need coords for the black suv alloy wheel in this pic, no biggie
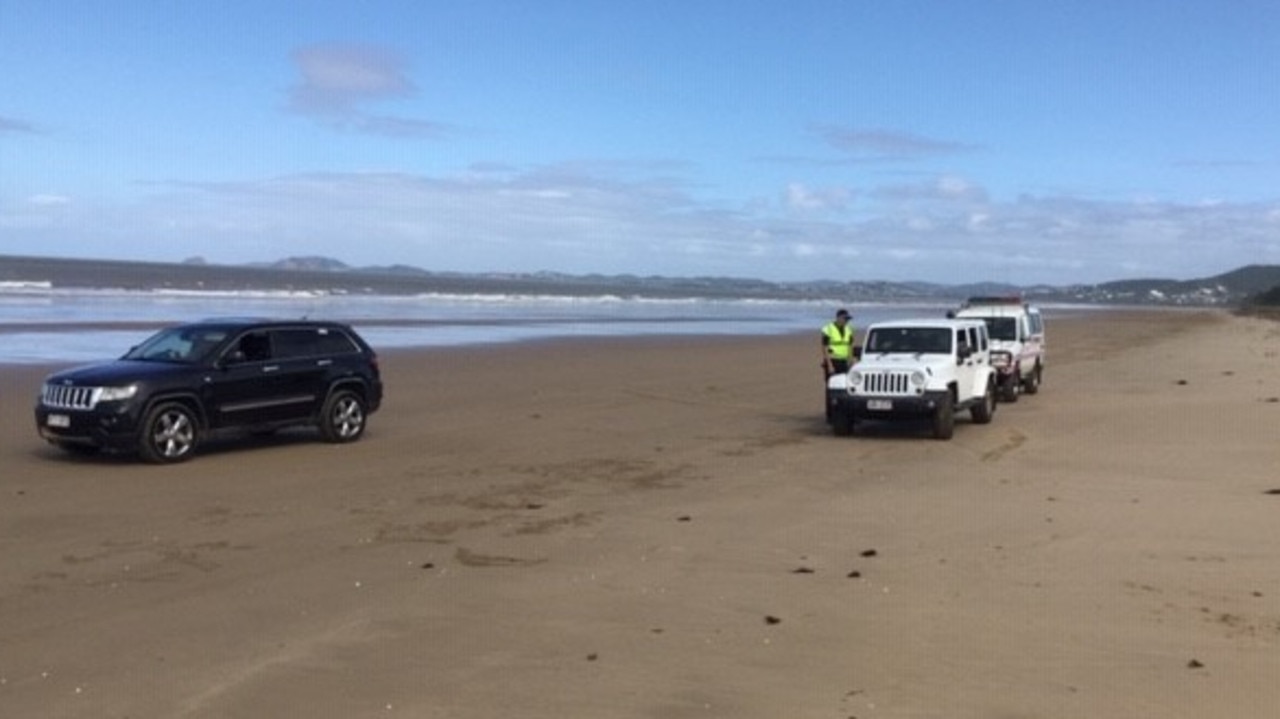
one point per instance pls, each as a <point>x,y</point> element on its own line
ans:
<point>169,434</point>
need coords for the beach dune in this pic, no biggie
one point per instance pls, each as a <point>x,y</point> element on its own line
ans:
<point>666,528</point>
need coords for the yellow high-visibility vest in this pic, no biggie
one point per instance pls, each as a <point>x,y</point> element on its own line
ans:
<point>839,341</point>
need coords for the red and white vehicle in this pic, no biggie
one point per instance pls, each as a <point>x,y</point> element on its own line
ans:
<point>1017,339</point>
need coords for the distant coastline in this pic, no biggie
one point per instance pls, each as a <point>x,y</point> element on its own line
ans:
<point>326,276</point>
<point>62,273</point>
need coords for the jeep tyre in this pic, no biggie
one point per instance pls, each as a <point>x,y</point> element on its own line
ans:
<point>984,410</point>
<point>169,434</point>
<point>1032,384</point>
<point>1011,387</point>
<point>343,417</point>
<point>944,418</point>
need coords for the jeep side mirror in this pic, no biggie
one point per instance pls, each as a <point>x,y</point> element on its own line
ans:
<point>857,352</point>
<point>963,352</point>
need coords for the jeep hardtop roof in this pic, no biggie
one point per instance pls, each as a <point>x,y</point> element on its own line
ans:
<point>928,322</point>
<point>995,300</point>
<point>1014,303</point>
<point>992,311</point>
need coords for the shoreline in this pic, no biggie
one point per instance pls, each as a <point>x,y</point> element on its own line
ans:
<point>1053,314</point>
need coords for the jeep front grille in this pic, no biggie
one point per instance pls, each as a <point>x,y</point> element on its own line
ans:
<point>68,397</point>
<point>886,383</point>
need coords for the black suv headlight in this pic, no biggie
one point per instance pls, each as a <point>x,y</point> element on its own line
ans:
<point>117,394</point>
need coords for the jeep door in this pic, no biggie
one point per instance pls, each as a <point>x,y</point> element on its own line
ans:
<point>968,372</point>
<point>1035,335</point>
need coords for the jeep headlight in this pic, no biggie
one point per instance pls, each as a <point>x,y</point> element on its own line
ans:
<point>116,394</point>
<point>855,378</point>
<point>917,379</point>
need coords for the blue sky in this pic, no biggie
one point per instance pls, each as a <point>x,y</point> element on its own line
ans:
<point>946,141</point>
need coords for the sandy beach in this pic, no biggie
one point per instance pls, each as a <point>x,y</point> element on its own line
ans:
<point>666,528</point>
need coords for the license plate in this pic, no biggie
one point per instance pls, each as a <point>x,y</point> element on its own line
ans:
<point>880,404</point>
<point>58,420</point>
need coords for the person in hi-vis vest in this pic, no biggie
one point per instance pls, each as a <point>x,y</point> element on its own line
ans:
<point>837,344</point>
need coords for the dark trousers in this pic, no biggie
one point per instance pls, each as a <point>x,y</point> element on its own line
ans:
<point>837,366</point>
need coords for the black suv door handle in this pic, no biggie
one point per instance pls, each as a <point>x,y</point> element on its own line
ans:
<point>271,368</point>
<point>324,363</point>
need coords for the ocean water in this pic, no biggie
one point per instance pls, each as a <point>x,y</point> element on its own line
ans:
<point>46,325</point>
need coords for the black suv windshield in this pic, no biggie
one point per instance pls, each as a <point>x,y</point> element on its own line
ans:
<point>913,340</point>
<point>186,345</point>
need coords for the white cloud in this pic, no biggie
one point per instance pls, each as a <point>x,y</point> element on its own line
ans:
<point>337,81</point>
<point>947,188</point>
<point>49,200</point>
<point>12,124</point>
<point>881,143</point>
<point>957,187</point>
<point>803,199</point>
<point>340,77</point>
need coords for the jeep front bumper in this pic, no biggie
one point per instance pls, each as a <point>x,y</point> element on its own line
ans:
<point>885,407</point>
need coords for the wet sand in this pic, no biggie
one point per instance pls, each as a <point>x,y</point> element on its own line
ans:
<point>666,528</point>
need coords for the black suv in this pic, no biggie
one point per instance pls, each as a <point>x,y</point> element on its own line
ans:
<point>164,395</point>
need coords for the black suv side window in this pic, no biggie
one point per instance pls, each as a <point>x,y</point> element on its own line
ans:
<point>251,347</point>
<point>322,341</point>
<point>295,344</point>
<point>335,342</point>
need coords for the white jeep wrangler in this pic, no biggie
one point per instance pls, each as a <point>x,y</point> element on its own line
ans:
<point>916,368</point>
<point>1017,338</point>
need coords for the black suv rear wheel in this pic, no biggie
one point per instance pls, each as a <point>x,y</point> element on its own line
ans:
<point>343,417</point>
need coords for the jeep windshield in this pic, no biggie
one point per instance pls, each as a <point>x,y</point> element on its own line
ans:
<point>1002,328</point>
<point>909,340</point>
<point>184,345</point>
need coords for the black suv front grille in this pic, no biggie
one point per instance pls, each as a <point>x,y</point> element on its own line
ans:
<point>68,397</point>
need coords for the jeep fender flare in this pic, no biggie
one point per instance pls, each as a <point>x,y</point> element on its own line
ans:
<point>990,375</point>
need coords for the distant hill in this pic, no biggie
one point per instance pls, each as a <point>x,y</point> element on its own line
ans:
<point>1228,288</point>
<point>329,275</point>
<point>1270,298</point>
<point>1251,278</point>
<point>310,264</point>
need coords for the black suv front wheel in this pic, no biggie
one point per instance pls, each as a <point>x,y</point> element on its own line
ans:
<point>169,433</point>
<point>343,417</point>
